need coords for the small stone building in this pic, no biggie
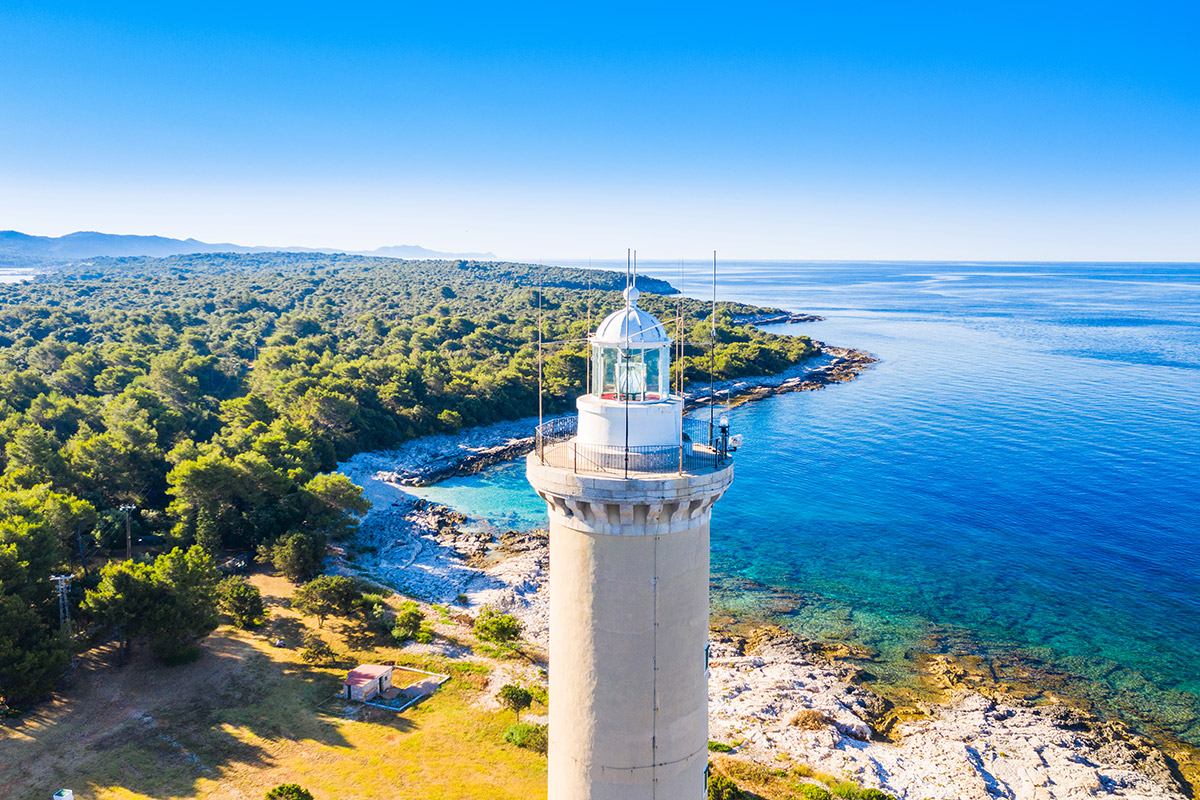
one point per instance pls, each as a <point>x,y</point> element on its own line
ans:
<point>367,680</point>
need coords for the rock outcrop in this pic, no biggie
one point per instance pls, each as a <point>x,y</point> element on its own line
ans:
<point>971,748</point>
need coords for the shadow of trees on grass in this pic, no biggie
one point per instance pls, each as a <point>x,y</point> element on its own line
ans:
<point>160,731</point>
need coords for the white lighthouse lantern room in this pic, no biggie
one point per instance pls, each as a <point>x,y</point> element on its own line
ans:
<point>631,366</point>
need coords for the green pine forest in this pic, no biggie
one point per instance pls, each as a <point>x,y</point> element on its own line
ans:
<point>215,393</point>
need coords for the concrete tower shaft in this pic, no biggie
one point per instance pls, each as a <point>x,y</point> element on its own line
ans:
<point>629,573</point>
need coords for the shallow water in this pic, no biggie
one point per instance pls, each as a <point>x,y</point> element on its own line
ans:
<point>1017,475</point>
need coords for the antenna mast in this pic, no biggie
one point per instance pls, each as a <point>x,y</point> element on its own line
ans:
<point>679,329</point>
<point>588,333</point>
<point>541,284</point>
<point>712,358</point>
<point>626,355</point>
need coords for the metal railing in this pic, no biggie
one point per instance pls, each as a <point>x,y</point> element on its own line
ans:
<point>703,448</point>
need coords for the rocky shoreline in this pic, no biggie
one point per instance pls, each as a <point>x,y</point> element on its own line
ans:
<point>775,318</point>
<point>780,699</point>
<point>775,697</point>
<point>432,459</point>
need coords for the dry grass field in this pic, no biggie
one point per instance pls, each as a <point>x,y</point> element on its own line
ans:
<point>247,716</point>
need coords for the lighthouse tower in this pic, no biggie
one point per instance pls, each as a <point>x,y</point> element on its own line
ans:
<point>630,484</point>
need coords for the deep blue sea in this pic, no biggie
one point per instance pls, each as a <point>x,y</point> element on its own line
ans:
<point>1017,477</point>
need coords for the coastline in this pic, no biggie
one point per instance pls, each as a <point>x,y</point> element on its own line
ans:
<point>977,742</point>
<point>425,461</point>
<point>775,697</point>
<point>970,736</point>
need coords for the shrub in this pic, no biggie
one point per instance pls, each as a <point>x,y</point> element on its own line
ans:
<point>811,719</point>
<point>493,626</point>
<point>372,599</point>
<point>317,650</point>
<point>845,790</point>
<point>409,622</point>
<point>462,599</point>
<point>811,791</point>
<point>719,747</point>
<point>874,794</point>
<point>514,697</point>
<point>721,788</point>
<point>531,737</point>
<point>289,791</point>
<point>241,601</point>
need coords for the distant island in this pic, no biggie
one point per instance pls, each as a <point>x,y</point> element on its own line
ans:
<point>25,251</point>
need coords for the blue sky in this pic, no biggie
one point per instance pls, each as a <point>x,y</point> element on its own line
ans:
<point>762,130</point>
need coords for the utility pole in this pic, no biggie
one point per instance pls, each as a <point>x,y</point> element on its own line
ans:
<point>128,537</point>
<point>64,609</point>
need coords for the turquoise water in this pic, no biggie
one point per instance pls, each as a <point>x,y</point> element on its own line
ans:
<point>1017,476</point>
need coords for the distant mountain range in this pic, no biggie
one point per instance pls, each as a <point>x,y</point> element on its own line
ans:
<point>23,250</point>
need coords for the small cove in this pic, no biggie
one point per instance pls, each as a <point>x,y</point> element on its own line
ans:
<point>1015,479</point>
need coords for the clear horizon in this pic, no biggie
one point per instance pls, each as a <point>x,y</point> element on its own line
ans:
<point>862,132</point>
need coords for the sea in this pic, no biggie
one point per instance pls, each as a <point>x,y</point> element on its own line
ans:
<point>1016,480</point>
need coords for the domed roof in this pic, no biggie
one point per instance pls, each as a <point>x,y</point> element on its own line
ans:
<point>631,325</point>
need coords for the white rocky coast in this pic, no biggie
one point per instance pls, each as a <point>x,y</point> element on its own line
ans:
<point>778,698</point>
<point>773,694</point>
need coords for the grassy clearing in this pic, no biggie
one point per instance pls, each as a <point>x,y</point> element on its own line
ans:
<point>247,716</point>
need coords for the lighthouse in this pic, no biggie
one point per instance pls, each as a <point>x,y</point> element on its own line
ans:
<point>629,484</point>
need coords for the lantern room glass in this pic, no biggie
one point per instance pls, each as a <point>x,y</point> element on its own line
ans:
<point>631,374</point>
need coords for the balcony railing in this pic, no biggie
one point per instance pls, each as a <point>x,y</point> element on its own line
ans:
<point>703,448</point>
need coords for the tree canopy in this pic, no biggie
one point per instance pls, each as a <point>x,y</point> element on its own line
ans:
<point>217,392</point>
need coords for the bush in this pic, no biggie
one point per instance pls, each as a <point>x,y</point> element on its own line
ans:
<point>289,791</point>
<point>317,650</point>
<point>721,788</point>
<point>719,747</point>
<point>493,626</point>
<point>531,737</point>
<point>811,791</point>
<point>874,794</point>
<point>845,790</point>
<point>241,601</point>
<point>371,599</point>
<point>810,719</point>
<point>409,622</point>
